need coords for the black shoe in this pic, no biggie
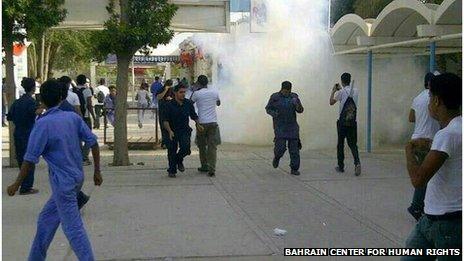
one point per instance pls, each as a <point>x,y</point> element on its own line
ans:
<point>180,167</point>
<point>357,170</point>
<point>172,175</point>
<point>416,214</point>
<point>203,169</point>
<point>275,163</point>
<point>29,191</point>
<point>295,172</point>
<point>211,174</point>
<point>84,201</point>
<point>339,170</point>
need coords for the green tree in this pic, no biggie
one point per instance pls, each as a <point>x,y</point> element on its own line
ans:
<point>135,25</point>
<point>21,19</point>
<point>339,8</point>
<point>64,50</point>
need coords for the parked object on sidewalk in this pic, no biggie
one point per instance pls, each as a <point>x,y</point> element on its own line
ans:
<point>280,232</point>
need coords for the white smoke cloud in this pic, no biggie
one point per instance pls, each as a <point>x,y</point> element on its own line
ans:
<point>297,48</point>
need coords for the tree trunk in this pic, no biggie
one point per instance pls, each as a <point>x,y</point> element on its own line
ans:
<point>46,61</point>
<point>121,153</point>
<point>32,61</point>
<point>10,83</point>
<point>51,60</point>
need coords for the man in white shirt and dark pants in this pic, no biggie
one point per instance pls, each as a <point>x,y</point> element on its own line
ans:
<point>100,93</point>
<point>206,100</point>
<point>424,127</point>
<point>441,171</point>
<point>347,95</point>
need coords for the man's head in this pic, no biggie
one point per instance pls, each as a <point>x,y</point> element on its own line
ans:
<point>38,79</point>
<point>346,79</point>
<point>102,81</point>
<point>51,93</point>
<point>428,77</point>
<point>157,78</point>
<point>81,79</point>
<point>113,91</point>
<point>3,80</point>
<point>202,80</point>
<point>286,89</point>
<point>28,84</point>
<point>445,95</point>
<point>168,83</point>
<point>179,92</point>
<point>65,84</point>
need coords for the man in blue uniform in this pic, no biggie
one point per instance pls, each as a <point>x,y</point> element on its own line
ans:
<point>23,113</point>
<point>283,106</point>
<point>56,137</point>
<point>175,117</point>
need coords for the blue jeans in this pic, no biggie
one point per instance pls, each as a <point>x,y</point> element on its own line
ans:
<point>21,146</point>
<point>435,234</point>
<point>178,148</point>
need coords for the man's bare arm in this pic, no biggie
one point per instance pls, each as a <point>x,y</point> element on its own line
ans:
<point>420,174</point>
<point>97,178</point>
<point>412,116</point>
<point>25,169</point>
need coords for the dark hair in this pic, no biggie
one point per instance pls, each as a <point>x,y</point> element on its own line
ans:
<point>286,85</point>
<point>428,77</point>
<point>112,87</point>
<point>448,88</point>
<point>102,81</point>
<point>65,79</point>
<point>346,78</point>
<point>64,89</point>
<point>168,83</point>
<point>28,84</point>
<point>144,85</point>
<point>157,78</point>
<point>81,79</point>
<point>50,93</point>
<point>203,80</point>
<point>178,87</point>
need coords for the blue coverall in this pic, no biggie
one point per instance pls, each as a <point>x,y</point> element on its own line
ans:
<point>56,137</point>
<point>286,129</point>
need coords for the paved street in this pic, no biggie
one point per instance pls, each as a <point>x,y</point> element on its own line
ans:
<point>141,214</point>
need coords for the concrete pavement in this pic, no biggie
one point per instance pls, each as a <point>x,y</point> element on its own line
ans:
<point>141,214</point>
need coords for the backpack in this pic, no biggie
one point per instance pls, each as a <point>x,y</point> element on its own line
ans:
<point>80,94</point>
<point>100,97</point>
<point>348,114</point>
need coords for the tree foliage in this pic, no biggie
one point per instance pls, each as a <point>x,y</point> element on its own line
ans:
<point>147,25</point>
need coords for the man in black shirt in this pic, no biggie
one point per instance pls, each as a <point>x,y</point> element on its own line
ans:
<point>164,95</point>
<point>23,113</point>
<point>175,115</point>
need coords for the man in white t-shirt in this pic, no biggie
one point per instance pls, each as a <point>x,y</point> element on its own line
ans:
<point>101,91</point>
<point>441,171</point>
<point>206,100</point>
<point>347,96</point>
<point>424,127</point>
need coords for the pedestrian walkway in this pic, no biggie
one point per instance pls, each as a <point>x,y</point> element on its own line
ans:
<point>141,214</point>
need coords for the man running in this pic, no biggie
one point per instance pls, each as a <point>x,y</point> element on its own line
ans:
<point>283,107</point>
<point>175,117</point>
<point>56,137</point>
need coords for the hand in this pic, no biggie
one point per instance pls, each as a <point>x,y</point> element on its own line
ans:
<point>97,178</point>
<point>12,189</point>
<point>200,128</point>
<point>171,135</point>
<point>336,87</point>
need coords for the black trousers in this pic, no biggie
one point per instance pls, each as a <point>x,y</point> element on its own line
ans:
<point>351,135</point>
<point>178,149</point>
